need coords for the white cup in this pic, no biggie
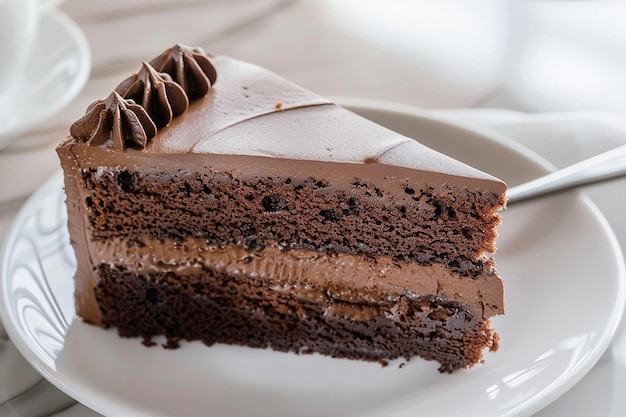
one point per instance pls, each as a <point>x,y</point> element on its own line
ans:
<point>19,20</point>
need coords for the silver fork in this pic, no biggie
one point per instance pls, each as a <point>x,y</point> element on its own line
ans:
<point>602,167</point>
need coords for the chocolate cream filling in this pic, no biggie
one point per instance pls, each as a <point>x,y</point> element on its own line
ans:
<point>308,274</point>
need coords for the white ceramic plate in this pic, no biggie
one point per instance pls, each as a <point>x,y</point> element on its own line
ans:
<point>565,289</point>
<point>56,71</point>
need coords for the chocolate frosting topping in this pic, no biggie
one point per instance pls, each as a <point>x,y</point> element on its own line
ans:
<point>120,120</point>
<point>188,67</point>
<point>162,98</point>
<point>148,100</point>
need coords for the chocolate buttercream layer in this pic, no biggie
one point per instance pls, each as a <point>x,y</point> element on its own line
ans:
<point>307,274</point>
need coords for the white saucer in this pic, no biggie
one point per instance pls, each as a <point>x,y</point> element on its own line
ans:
<point>56,72</point>
<point>558,321</point>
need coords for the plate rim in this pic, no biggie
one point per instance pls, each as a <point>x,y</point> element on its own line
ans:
<point>541,400</point>
<point>531,405</point>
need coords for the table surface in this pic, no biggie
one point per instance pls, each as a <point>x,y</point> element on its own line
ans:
<point>461,58</point>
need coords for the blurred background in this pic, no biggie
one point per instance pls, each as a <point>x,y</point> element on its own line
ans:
<point>550,74</point>
<point>531,55</point>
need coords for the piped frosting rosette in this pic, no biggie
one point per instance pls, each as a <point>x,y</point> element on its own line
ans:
<point>148,100</point>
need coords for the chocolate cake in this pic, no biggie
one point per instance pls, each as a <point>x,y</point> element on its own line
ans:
<point>210,199</point>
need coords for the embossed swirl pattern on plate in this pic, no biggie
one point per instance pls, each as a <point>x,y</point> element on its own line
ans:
<point>31,261</point>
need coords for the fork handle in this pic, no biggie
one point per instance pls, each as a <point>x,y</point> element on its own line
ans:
<point>602,167</point>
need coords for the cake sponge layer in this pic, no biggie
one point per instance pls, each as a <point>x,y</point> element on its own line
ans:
<point>421,225</point>
<point>216,307</point>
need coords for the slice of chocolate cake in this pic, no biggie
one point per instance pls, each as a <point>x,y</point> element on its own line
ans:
<point>210,199</point>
